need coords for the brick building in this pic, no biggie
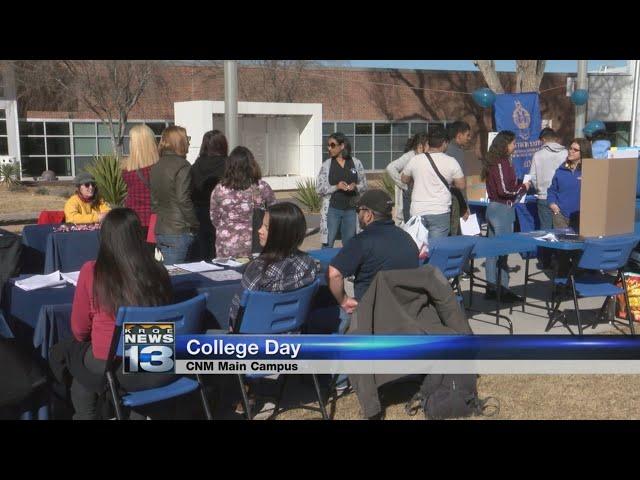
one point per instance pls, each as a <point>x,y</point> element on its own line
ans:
<point>378,109</point>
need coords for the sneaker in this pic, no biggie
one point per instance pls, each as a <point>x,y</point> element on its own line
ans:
<point>343,388</point>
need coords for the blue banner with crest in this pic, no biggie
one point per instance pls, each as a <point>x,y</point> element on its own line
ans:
<point>520,113</point>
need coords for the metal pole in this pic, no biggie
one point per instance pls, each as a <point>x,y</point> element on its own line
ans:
<point>231,102</point>
<point>634,103</point>
<point>581,111</point>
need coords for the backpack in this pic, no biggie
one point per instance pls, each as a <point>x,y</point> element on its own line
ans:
<point>450,396</point>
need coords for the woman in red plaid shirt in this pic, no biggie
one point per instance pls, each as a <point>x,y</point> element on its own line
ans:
<point>136,168</point>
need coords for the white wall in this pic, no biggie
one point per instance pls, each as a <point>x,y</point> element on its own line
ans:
<point>285,137</point>
<point>10,105</point>
<point>610,97</point>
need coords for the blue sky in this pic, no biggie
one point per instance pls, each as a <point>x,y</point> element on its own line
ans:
<point>502,65</point>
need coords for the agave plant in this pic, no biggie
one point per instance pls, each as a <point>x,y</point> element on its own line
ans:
<point>108,174</point>
<point>9,174</point>
<point>388,184</point>
<point>308,196</point>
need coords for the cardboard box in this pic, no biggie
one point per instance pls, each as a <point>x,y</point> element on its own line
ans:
<point>608,196</point>
<point>476,188</point>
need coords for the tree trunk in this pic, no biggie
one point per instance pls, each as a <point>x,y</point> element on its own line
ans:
<point>529,75</point>
<point>488,70</point>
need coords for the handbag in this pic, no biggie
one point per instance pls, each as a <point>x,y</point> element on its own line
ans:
<point>456,192</point>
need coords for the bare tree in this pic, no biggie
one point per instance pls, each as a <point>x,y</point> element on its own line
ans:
<point>109,88</point>
<point>529,75</point>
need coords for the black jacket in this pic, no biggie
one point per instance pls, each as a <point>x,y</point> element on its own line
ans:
<point>417,301</point>
<point>206,173</point>
<point>171,189</point>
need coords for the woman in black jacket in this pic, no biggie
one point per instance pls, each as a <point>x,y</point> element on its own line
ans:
<point>206,172</point>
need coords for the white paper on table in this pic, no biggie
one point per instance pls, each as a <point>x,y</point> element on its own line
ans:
<point>197,267</point>
<point>527,178</point>
<point>71,277</point>
<point>41,281</point>
<point>222,276</point>
<point>549,237</point>
<point>471,226</point>
<point>227,262</point>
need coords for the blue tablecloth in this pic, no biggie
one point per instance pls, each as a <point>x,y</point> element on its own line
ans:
<point>489,247</point>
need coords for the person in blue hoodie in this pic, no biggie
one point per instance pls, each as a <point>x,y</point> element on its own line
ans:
<point>563,195</point>
<point>600,144</point>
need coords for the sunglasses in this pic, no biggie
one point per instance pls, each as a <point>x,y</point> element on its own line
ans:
<point>332,145</point>
<point>359,209</point>
<point>89,184</point>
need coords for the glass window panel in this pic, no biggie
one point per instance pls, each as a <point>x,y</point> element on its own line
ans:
<point>346,128</point>
<point>31,128</point>
<point>418,127</point>
<point>157,127</point>
<point>60,165</point>
<point>57,128</point>
<point>81,163</point>
<point>103,129</point>
<point>363,142</point>
<point>399,143</point>
<point>350,139</point>
<point>401,128</point>
<point>3,127</point>
<point>328,128</point>
<point>33,166</point>
<point>4,146</point>
<point>382,159</point>
<point>58,146</point>
<point>3,113</point>
<point>105,146</point>
<point>325,142</point>
<point>125,146</point>
<point>383,128</point>
<point>129,126</point>
<point>363,129</point>
<point>32,146</point>
<point>366,159</point>
<point>383,143</point>
<point>84,146</point>
<point>435,124</point>
<point>84,129</point>
<point>1,91</point>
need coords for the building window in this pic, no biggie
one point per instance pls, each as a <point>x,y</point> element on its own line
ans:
<point>4,139</point>
<point>619,133</point>
<point>1,84</point>
<point>376,144</point>
<point>67,147</point>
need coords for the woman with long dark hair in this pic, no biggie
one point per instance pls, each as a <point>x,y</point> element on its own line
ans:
<point>171,189</point>
<point>207,171</point>
<point>281,266</point>
<point>503,189</point>
<point>124,274</point>
<point>85,205</point>
<point>233,201</point>
<point>340,180</point>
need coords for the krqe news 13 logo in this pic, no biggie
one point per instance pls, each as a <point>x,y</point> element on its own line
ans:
<point>149,347</point>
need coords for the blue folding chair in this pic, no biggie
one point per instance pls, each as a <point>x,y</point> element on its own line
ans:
<point>273,313</point>
<point>451,258</point>
<point>599,256</point>
<point>188,317</point>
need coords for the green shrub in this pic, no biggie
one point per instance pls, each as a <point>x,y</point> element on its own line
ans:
<point>17,187</point>
<point>388,185</point>
<point>9,174</point>
<point>42,191</point>
<point>108,174</point>
<point>308,196</point>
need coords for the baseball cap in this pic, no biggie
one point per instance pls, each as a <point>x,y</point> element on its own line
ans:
<point>376,200</point>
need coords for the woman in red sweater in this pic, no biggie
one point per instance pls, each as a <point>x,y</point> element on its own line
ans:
<point>503,190</point>
<point>124,274</point>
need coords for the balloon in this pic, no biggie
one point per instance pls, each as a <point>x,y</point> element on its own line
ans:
<point>484,97</point>
<point>580,97</point>
<point>593,126</point>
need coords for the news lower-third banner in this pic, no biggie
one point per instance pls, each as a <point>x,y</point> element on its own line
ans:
<point>151,348</point>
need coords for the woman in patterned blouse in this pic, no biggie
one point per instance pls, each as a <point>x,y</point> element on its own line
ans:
<point>233,200</point>
<point>281,266</point>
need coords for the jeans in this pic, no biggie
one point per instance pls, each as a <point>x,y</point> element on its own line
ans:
<point>343,221</point>
<point>500,219</point>
<point>406,203</point>
<point>545,215</point>
<point>438,225</point>
<point>345,321</point>
<point>175,248</point>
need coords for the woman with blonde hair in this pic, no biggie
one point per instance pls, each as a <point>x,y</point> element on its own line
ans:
<point>136,171</point>
<point>171,190</point>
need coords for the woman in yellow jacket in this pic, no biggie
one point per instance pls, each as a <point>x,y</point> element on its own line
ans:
<point>85,206</point>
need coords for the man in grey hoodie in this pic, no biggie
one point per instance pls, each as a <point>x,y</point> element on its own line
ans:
<point>544,164</point>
